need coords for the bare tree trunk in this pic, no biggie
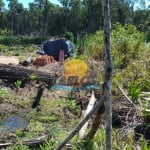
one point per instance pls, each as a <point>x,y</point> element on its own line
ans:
<point>89,17</point>
<point>108,75</point>
<point>96,122</point>
<point>45,18</point>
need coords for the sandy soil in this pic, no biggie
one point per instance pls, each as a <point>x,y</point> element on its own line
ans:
<point>9,60</point>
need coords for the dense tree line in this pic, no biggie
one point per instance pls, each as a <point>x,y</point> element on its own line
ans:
<point>44,18</point>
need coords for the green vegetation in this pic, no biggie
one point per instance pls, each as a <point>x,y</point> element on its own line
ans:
<point>14,40</point>
<point>44,19</point>
<point>21,51</point>
<point>57,117</point>
<point>21,30</point>
<point>18,83</point>
<point>133,91</point>
<point>3,92</point>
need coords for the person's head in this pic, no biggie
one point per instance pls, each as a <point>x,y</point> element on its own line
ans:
<point>51,38</point>
<point>63,38</point>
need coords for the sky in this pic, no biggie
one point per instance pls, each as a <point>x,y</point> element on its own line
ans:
<point>25,2</point>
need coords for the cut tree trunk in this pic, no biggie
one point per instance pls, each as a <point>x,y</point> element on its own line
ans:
<point>98,116</point>
<point>89,108</point>
<point>20,73</point>
<point>96,122</point>
<point>99,103</point>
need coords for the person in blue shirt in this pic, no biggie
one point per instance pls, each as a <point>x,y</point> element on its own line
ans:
<point>52,47</point>
<point>71,46</point>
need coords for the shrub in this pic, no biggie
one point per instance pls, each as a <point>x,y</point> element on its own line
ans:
<point>126,43</point>
<point>148,35</point>
<point>31,40</point>
<point>14,40</point>
<point>94,45</point>
<point>9,40</point>
<point>5,32</point>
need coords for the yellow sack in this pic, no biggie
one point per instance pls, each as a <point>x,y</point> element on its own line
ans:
<point>75,69</point>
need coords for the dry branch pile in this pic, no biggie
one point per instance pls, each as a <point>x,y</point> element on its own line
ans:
<point>126,116</point>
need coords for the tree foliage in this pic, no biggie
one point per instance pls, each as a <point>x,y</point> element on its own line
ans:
<point>43,18</point>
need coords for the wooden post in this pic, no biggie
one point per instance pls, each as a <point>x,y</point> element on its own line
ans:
<point>61,56</point>
<point>38,96</point>
<point>108,75</point>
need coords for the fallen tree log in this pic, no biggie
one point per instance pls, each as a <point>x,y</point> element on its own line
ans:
<point>28,142</point>
<point>21,73</point>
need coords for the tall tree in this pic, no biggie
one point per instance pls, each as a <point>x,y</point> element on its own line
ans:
<point>123,11</point>
<point>45,14</point>
<point>35,17</point>
<point>1,12</point>
<point>93,15</point>
<point>89,16</point>
<point>73,8</point>
<point>15,10</point>
<point>142,4</point>
<point>1,5</point>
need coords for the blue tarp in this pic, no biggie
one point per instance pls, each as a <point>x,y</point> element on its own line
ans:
<point>70,88</point>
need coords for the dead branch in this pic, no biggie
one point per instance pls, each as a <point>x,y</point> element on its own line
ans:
<point>27,142</point>
<point>5,144</point>
<point>37,140</point>
<point>123,92</point>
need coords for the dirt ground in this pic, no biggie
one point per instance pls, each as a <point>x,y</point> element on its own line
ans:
<point>29,91</point>
<point>9,60</point>
<point>20,100</point>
